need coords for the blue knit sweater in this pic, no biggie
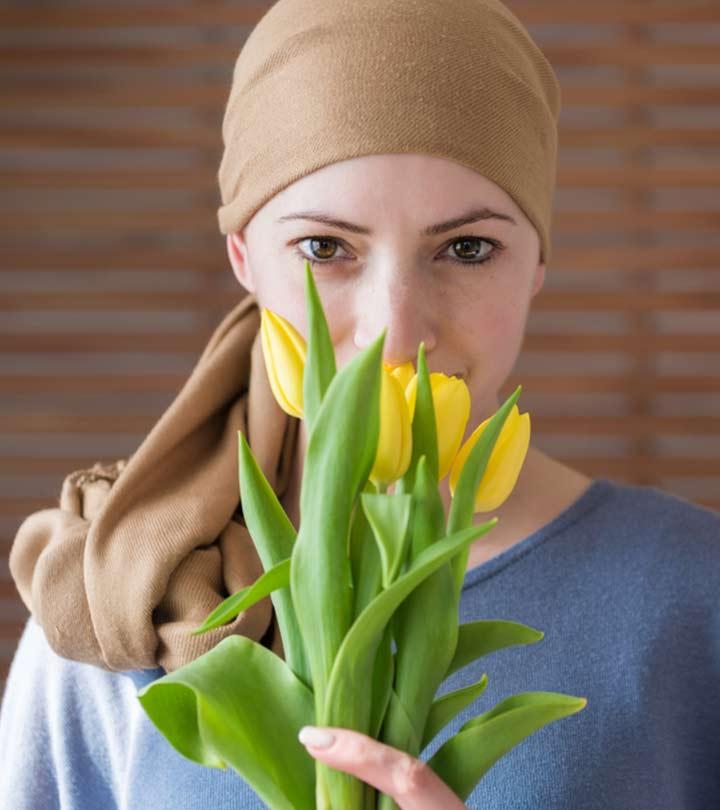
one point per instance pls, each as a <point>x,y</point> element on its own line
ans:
<point>625,584</point>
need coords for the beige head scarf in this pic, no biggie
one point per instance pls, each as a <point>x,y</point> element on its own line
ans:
<point>140,551</point>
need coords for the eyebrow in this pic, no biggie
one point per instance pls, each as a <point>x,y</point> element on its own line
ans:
<point>475,215</point>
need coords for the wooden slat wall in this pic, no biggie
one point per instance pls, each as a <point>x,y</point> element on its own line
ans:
<point>114,273</point>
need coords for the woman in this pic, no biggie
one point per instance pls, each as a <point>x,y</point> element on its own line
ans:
<point>393,120</point>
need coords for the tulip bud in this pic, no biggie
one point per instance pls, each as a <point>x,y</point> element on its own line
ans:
<point>394,449</point>
<point>504,464</point>
<point>403,372</point>
<point>451,400</point>
<point>284,350</point>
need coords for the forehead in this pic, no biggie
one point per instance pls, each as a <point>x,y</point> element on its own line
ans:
<point>426,185</point>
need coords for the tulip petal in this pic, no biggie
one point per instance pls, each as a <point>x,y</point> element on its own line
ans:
<point>504,464</point>
<point>451,401</point>
<point>395,440</point>
<point>502,474</point>
<point>284,350</point>
<point>403,373</point>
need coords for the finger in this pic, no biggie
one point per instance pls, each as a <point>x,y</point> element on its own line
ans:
<point>409,781</point>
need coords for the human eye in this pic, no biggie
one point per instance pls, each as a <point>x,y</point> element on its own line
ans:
<point>469,244</point>
<point>319,244</point>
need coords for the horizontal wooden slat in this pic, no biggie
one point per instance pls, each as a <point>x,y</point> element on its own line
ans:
<point>171,300</point>
<point>34,136</point>
<point>197,55</point>
<point>88,16</point>
<point>638,178</point>
<point>636,344</point>
<point>628,219</point>
<point>560,384</point>
<point>84,259</point>
<point>79,384</point>
<point>93,301</point>
<point>54,422</point>
<point>93,342</point>
<point>622,95</point>
<point>71,94</point>
<point>40,136</point>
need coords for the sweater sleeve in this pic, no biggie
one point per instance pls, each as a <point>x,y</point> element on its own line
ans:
<point>61,742</point>
<point>28,778</point>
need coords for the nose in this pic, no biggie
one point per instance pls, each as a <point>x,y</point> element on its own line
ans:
<point>398,302</point>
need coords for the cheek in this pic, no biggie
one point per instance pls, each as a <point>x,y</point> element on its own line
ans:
<point>493,336</point>
<point>276,294</point>
<point>285,294</point>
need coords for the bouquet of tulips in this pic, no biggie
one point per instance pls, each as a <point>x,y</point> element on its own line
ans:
<point>366,592</point>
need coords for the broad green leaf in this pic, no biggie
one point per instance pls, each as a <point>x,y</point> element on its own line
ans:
<point>273,535</point>
<point>382,680</point>
<point>239,704</point>
<point>389,516</point>
<point>277,577</point>
<point>462,505</point>
<point>351,670</point>
<point>484,636</point>
<point>465,758</point>
<point>448,706</point>
<point>340,455</point>
<point>364,558</point>
<point>425,623</point>
<point>428,523</point>
<point>411,733</point>
<point>320,367</point>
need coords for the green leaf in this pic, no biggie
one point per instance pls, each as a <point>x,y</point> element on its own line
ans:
<point>389,516</point>
<point>351,670</point>
<point>465,758</point>
<point>320,367</point>
<point>426,623</point>
<point>484,636</point>
<point>448,706</point>
<point>364,558</point>
<point>424,430</point>
<point>462,505</point>
<point>340,455</point>
<point>407,731</point>
<point>239,704</point>
<point>277,577</point>
<point>274,536</point>
<point>410,732</point>
<point>382,680</point>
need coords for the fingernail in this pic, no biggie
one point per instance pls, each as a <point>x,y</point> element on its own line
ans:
<point>316,737</point>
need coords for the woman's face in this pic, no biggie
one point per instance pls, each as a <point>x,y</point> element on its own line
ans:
<point>386,268</point>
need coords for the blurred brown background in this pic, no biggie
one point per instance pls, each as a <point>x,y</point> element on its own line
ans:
<point>113,272</point>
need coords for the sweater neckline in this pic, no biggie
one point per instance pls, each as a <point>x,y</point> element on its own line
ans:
<point>596,492</point>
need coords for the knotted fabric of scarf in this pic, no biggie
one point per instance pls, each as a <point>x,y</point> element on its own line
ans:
<point>141,550</point>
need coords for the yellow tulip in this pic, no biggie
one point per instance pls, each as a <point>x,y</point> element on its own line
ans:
<point>395,439</point>
<point>451,400</point>
<point>285,350</point>
<point>504,464</point>
<point>403,372</point>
